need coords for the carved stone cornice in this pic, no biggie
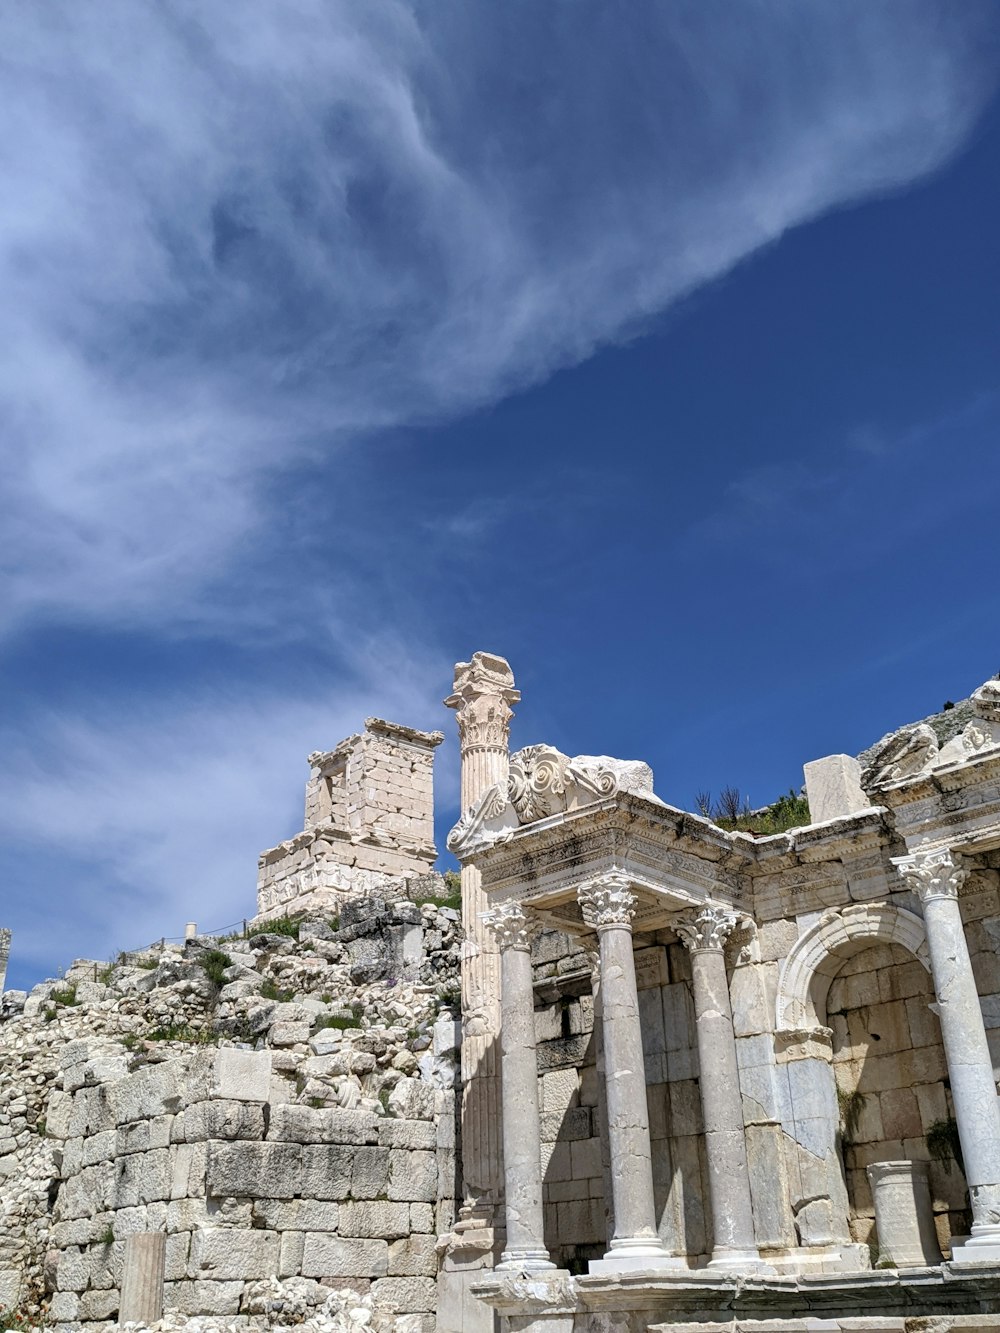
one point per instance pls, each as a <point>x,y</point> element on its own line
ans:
<point>482,697</point>
<point>607,901</point>
<point>514,926</point>
<point>707,929</point>
<point>932,875</point>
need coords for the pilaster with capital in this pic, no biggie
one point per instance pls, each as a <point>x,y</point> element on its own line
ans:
<point>482,698</point>
<point>937,877</point>
<point>608,905</point>
<point>514,929</point>
<point>705,933</point>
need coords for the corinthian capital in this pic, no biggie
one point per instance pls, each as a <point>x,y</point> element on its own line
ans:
<point>607,901</point>
<point>932,874</point>
<point>482,697</point>
<point>707,929</point>
<point>514,926</point>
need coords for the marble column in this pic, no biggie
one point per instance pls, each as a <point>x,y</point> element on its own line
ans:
<point>483,694</point>
<point>514,929</point>
<point>937,878</point>
<point>705,934</point>
<point>4,955</point>
<point>608,906</point>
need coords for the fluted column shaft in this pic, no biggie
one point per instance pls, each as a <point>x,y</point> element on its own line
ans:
<point>937,878</point>
<point>608,906</point>
<point>705,934</point>
<point>514,930</point>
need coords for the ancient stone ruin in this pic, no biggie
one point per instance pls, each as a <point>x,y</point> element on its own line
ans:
<point>657,1073</point>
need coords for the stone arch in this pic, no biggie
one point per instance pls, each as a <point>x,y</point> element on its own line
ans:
<point>818,955</point>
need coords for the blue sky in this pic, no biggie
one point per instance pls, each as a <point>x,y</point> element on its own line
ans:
<point>654,347</point>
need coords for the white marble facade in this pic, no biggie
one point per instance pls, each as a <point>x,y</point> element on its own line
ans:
<point>733,1033</point>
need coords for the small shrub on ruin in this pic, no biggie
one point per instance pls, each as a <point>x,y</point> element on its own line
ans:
<point>285,925</point>
<point>339,1021</point>
<point>269,991</point>
<point>214,962</point>
<point>944,1145</point>
<point>184,1032</point>
<point>65,998</point>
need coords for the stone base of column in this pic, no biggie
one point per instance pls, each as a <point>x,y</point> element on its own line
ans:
<point>531,1260</point>
<point>738,1261</point>
<point>983,1248</point>
<point>638,1254</point>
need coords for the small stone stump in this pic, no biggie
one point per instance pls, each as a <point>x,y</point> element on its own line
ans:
<point>142,1278</point>
<point>904,1218</point>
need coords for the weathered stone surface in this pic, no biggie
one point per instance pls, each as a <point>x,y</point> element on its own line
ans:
<point>255,1170</point>
<point>326,1256</point>
<point>228,1254</point>
<point>303,1124</point>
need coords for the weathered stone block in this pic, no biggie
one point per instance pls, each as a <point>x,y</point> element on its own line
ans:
<point>223,1119</point>
<point>412,1100</point>
<point>149,1091</point>
<point>203,1298</point>
<point>374,1220</point>
<point>414,1294</point>
<point>306,1124</point>
<point>407,1134</point>
<point>330,1256</point>
<point>234,1075</point>
<point>228,1254</point>
<point>413,1256</point>
<point>833,788</point>
<point>412,1176</point>
<point>369,1173</point>
<point>255,1170</point>
<point>326,1171</point>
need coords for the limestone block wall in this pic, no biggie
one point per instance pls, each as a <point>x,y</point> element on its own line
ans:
<point>369,822</point>
<point>892,1082</point>
<point>246,1188</point>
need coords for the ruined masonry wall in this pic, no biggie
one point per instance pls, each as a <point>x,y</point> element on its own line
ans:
<point>369,823</point>
<point>245,1188</point>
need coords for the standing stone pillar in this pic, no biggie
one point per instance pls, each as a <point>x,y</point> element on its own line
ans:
<point>514,930</point>
<point>937,878</point>
<point>705,933</point>
<point>4,955</point>
<point>142,1278</point>
<point>482,698</point>
<point>608,906</point>
<point>904,1215</point>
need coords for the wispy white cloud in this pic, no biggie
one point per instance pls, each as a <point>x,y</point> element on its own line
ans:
<point>136,819</point>
<point>233,240</point>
